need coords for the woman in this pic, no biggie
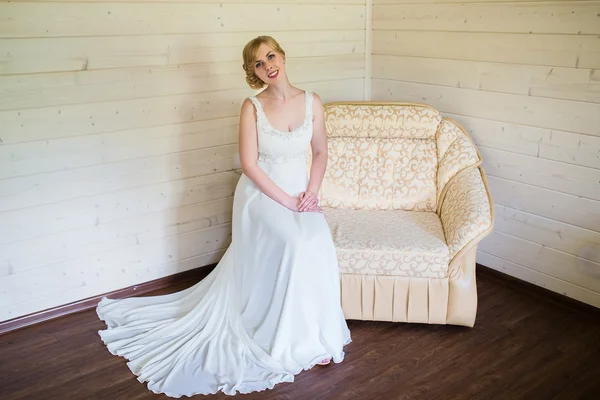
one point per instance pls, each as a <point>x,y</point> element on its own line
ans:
<point>271,307</point>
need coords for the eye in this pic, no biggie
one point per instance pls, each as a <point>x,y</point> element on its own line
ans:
<point>257,65</point>
<point>271,56</point>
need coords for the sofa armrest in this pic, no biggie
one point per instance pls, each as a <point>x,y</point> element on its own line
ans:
<point>466,211</point>
<point>456,152</point>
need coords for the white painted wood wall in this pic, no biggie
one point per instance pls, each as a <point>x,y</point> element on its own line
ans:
<point>524,78</point>
<point>118,132</point>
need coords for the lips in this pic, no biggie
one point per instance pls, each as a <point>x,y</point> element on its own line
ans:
<point>273,74</point>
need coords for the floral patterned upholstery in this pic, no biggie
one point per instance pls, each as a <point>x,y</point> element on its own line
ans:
<point>401,243</point>
<point>407,204</point>
<point>380,174</point>
<point>466,210</point>
<point>410,121</point>
<point>456,152</point>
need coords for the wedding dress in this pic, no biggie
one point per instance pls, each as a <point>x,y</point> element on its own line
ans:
<point>270,308</point>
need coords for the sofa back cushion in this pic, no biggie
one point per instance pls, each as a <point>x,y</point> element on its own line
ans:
<point>380,174</point>
<point>381,157</point>
<point>410,121</point>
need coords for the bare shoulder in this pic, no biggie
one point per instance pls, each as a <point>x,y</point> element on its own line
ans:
<point>317,105</point>
<point>247,110</point>
<point>247,105</point>
<point>247,115</point>
<point>317,99</point>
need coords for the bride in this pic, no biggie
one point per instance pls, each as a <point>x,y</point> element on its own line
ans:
<point>271,307</point>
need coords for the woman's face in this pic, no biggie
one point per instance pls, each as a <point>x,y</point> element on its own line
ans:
<point>269,65</point>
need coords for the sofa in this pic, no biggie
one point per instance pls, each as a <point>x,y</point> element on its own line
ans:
<point>407,203</point>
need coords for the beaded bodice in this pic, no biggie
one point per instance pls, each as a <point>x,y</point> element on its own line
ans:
<point>275,146</point>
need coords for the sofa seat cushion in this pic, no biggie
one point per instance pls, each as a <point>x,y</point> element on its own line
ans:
<point>397,242</point>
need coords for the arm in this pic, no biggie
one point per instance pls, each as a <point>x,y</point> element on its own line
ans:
<point>318,145</point>
<point>248,147</point>
<point>456,152</point>
<point>466,210</point>
<point>319,157</point>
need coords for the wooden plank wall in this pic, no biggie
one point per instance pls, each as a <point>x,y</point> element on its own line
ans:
<point>523,77</point>
<point>118,131</point>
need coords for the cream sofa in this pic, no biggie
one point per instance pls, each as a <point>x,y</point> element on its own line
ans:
<point>407,203</point>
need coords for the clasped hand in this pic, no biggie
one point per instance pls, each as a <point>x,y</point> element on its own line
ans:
<point>305,202</point>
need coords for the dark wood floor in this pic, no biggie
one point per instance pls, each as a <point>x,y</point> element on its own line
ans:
<point>525,345</point>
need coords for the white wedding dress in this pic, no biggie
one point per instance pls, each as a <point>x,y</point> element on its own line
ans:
<point>270,308</point>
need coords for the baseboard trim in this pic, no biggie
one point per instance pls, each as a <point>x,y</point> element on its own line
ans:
<point>197,274</point>
<point>24,321</point>
<point>537,291</point>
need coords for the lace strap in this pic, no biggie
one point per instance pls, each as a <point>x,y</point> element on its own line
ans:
<point>309,104</point>
<point>257,105</point>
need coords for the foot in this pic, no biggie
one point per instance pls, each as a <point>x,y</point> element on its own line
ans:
<point>324,361</point>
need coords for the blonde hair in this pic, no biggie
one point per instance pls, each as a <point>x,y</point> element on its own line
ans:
<point>249,56</point>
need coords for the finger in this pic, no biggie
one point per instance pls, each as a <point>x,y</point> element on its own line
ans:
<point>305,202</point>
<point>310,196</point>
<point>305,209</point>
